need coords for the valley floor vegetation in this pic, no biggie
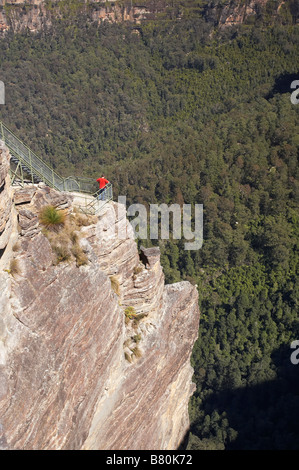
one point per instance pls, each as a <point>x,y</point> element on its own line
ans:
<point>206,114</point>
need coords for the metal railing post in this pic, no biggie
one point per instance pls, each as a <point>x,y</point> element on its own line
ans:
<point>30,163</point>
<point>2,132</point>
<point>40,170</point>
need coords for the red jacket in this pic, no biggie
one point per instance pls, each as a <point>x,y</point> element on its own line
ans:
<point>102,182</point>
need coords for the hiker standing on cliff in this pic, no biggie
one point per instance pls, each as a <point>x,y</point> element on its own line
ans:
<point>102,183</point>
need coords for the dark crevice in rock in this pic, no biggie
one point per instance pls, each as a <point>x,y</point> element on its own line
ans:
<point>2,250</point>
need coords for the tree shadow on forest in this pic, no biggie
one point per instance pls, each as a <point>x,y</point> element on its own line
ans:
<point>265,415</point>
<point>282,84</point>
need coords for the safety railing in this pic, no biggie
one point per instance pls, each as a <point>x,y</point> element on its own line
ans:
<point>101,197</point>
<point>34,165</point>
<point>37,169</point>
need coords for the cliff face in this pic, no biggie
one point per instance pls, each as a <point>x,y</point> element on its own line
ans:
<point>234,13</point>
<point>35,15</point>
<point>19,15</point>
<point>6,212</point>
<point>75,373</point>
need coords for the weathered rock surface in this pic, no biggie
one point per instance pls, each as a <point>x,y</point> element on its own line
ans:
<point>34,15</point>
<point>148,410</point>
<point>38,15</point>
<point>65,380</point>
<point>6,196</point>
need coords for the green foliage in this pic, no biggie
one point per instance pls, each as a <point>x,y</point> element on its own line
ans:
<point>137,352</point>
<point>203,114</point>
<point>80,257</point>
<point>63,234</point>
<point>130,313</point>
<point>137,338</point>
<point>14,267</point>
<point>51,218</point>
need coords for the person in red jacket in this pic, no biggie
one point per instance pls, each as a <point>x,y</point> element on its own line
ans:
<point>102,183</point>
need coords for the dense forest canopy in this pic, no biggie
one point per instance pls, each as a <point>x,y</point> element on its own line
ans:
<point>206,114</point>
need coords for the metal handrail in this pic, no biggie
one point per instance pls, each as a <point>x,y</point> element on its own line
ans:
<point>107,191</point>
<point>41,169</point>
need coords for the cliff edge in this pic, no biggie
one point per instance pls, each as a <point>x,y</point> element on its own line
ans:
<point>37,15</point>
<point>94,347</point>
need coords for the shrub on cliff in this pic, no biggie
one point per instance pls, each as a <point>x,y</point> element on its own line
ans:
<point>115,285</point>
<point>62,253</point>
<point>137,352</point>
<point>14,267</point>
<point>130,313</point>
<point>51,217</point>
<point>62,231</point>
<point>80,256</point>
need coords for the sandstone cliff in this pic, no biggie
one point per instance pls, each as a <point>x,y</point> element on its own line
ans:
<point>35,15</point>
<point>75,371</point>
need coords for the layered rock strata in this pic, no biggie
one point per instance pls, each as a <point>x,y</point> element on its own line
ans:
<point>77,372</point>
<point>35,15</point>
<point>6,203</point>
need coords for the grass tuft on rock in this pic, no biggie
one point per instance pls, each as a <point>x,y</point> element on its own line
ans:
<point>115,285</point>
<point>81,258</point>
<point>51,217</point>
<point>63,233</point>
<point>14,267</point>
